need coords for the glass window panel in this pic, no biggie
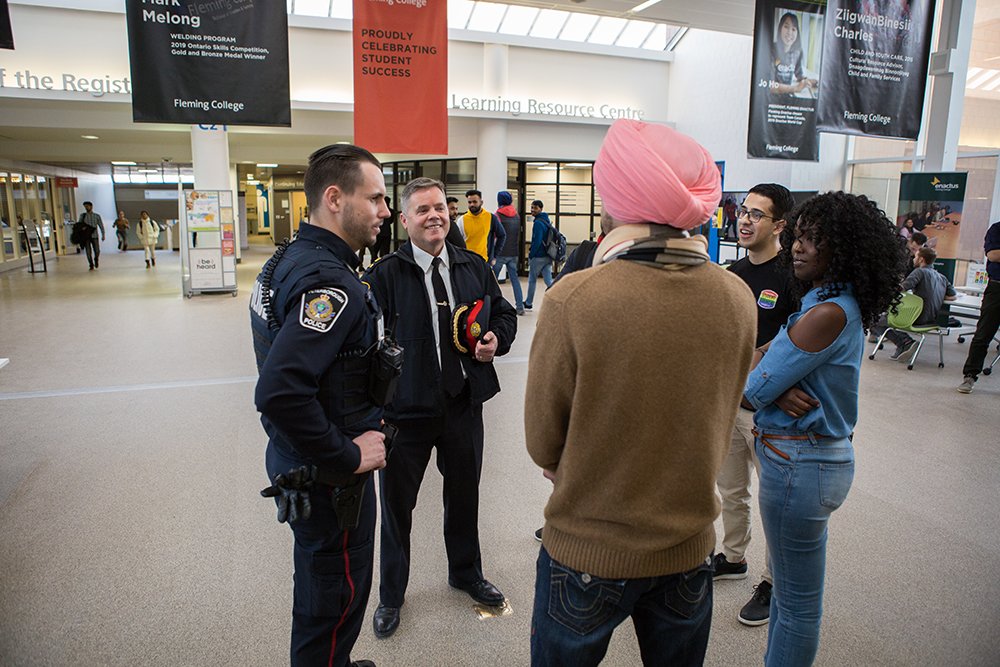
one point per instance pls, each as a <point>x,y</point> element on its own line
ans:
<point>635,33</point>
<point>518,20</point>
<point>545,173</point>
<point>431,169</point>
<point>461,171</point>
<point>576,228</point>
<point>546,193</point>
<point>512,172</point>
<point>312,7</point>
<point>657,40</point>
<point>342,9</point>
<point>549,23</point>
<point>578,27</point>
<point>607,30</point>
<point>574,199</point>
<point>486,16</point>
<point>458,13</point>
<point>576,172</point>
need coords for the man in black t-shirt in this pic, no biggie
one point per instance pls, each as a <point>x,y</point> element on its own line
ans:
<point>760,221</point>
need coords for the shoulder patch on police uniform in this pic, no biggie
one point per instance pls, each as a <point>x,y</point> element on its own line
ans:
<point>321,307</point>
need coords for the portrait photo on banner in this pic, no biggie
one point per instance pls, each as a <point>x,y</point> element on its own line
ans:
<point>796,50</point>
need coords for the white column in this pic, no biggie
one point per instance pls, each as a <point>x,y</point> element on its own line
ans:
<point>491,164</point>
<point>949,66</point>
<point>212,171</point>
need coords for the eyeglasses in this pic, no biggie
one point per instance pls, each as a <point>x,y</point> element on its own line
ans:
<point>752,213</point>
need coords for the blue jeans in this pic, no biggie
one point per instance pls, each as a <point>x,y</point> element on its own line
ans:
<point>536,266</point>
<point>515,282</point>
<point>575,614</point>
<point>802,481</point>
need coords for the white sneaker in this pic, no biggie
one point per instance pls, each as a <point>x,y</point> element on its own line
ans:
<point>967,384</point>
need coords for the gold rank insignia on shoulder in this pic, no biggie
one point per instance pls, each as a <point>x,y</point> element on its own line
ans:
<point>321,308</point>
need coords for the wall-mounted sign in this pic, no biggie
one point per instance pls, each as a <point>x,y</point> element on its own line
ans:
<point>875,67</point>
<point>66,182</point>
<point>209,62</point>
<point>516,106</point>
<point>401,76</point>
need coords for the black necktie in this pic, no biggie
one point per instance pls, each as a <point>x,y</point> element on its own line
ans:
<point>451,366</point>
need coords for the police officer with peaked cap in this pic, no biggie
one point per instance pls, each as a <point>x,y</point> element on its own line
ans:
<point>315,329</point>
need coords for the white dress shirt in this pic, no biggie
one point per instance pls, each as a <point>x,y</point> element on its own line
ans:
<point>424,261</point>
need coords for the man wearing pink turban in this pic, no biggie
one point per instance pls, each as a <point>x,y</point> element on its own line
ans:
<point>634,380</point>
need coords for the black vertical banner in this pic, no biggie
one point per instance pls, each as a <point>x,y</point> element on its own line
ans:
<point>875,67</point>
<point>198,62</point>
<point>6,31</point>
<point>787,51</point>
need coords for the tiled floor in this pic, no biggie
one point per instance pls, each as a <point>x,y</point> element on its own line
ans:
<point>133,534</point>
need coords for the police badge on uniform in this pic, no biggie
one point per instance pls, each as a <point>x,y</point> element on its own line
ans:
<point>321,308</point>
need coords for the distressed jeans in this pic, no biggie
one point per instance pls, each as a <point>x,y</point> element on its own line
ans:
<point>576,613</point>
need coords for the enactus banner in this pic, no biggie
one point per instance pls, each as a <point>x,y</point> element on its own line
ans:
<point>875,58</point>
<point>787,48</point>
<point>932,203</point>
<point>197,62</point>
<point>401,76</point>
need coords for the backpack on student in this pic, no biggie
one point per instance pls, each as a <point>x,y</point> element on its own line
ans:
<point>555,244</point>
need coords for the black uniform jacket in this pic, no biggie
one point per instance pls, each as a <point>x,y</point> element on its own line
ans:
<point>313,401</point>
<point>398,284</point>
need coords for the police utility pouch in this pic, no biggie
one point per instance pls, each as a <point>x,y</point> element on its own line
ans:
<point>383,375</point>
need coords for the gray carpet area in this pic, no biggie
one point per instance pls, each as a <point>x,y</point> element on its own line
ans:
<point>133,534</point>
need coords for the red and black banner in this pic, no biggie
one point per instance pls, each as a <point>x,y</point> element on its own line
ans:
<point>197,62</point>
<point>875,60</point>
<point>401,76</point>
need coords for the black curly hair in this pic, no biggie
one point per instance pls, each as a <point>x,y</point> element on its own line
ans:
<point>865,250</point>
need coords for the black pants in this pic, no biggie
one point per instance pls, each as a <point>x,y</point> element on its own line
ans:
<point>333,577</point>
<point>93,248</point>
<point>986,329</point>
<point>122,239</point>
<point>458,438</point>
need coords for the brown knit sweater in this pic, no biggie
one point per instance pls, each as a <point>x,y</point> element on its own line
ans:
<point>634,380</point>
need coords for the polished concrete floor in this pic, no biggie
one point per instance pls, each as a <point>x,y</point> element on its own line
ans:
<point>132,533</point>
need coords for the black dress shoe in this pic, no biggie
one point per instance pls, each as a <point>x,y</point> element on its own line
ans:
<point>483,592</point>
<point>386,621</point>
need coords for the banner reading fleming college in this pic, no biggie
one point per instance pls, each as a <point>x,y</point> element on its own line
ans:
<point>198,62</point>
<point>401,76</point>
<point>875,67</point>
<point>787,47</point>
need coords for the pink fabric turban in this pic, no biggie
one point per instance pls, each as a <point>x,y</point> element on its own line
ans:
<point>651,173</point>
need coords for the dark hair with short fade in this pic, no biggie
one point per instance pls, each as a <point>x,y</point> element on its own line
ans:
<point>452,200</point>
<point>88,203</point>
<point>336,164</point>
<point>781,199</point>
<point>918,237</point>
<point>928,255</point>
<point>469,193</point>
<point>417,184</point>
<point>538,203</point>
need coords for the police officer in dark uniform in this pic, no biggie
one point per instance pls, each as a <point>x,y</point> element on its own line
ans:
<point>425,287</point>
<point>316,330</point>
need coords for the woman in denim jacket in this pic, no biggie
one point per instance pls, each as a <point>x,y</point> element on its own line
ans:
<point>849,261</point>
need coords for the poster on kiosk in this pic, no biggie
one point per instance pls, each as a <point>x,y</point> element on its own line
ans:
<point>208,242</point>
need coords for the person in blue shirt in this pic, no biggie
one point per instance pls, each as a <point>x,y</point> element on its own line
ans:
<point>539,262</point>
<point>849,261</point>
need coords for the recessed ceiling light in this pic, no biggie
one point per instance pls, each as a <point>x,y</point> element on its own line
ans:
<point>89,136</point>
<point>123,163</point>
<point>536,164</point>
<point>265,165</point>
